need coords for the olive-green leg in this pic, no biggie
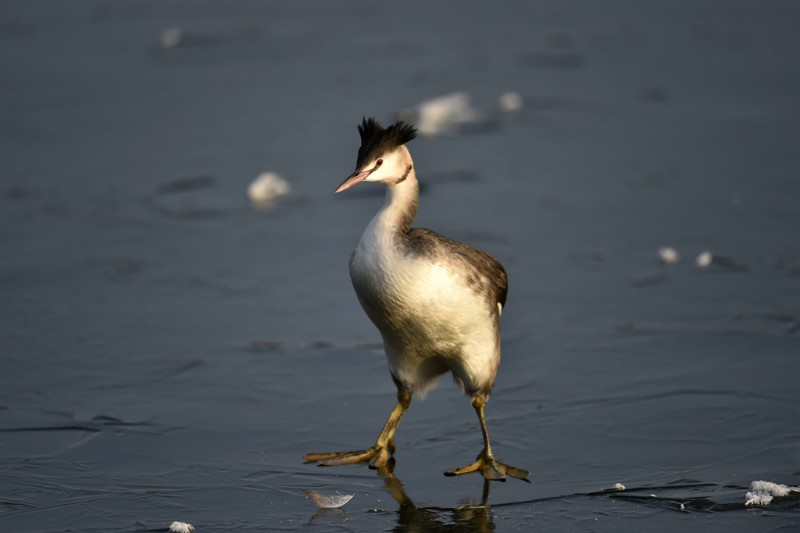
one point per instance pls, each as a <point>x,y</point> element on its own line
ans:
<point>377,455</point>
<point>489,467</point>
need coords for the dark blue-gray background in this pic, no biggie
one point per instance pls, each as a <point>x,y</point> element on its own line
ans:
<point>168,352</point>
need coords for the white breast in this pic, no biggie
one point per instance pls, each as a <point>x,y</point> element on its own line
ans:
<point>424,310</point>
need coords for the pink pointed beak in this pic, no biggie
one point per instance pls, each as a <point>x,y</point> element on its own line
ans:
<point>355,177</point>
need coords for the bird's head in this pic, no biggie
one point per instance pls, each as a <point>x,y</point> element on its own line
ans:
<point>382,156</point>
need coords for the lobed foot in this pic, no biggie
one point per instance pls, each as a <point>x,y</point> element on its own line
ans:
<point>376,456</point>
<point>490,469</point>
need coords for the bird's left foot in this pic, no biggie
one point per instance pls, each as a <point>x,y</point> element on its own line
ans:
<point>377,456</point>
<point>491,469</point>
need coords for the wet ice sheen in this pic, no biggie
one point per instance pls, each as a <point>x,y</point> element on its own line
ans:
<point>135,276</point>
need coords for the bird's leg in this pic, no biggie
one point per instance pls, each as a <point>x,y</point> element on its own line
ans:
<point>489,467</point>
<point>377,455</point>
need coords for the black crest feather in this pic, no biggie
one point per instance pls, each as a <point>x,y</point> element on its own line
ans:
<point>377,140</point>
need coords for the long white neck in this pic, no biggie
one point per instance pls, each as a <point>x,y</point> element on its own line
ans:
<point>400,207</point>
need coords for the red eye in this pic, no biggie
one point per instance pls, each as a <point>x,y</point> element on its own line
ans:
<point>379,162</point>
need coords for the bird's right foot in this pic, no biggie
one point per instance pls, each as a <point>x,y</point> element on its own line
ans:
<point>377,456</point>
<point>490,468</point>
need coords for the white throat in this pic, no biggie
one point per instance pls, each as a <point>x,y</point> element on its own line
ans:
<point>399,209</point>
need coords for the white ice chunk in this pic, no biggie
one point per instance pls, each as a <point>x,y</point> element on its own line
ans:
<point>510,102</point>
<point>704,259</point>
<point>668,255</point>
<point>180,527</point>
<point>268,187</point>
<point>762,492</point>
<point>444,114</point>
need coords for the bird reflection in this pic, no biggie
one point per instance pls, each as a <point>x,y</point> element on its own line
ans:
<point>466,518</point>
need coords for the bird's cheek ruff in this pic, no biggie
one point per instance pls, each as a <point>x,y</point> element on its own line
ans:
<point>404,176</point>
